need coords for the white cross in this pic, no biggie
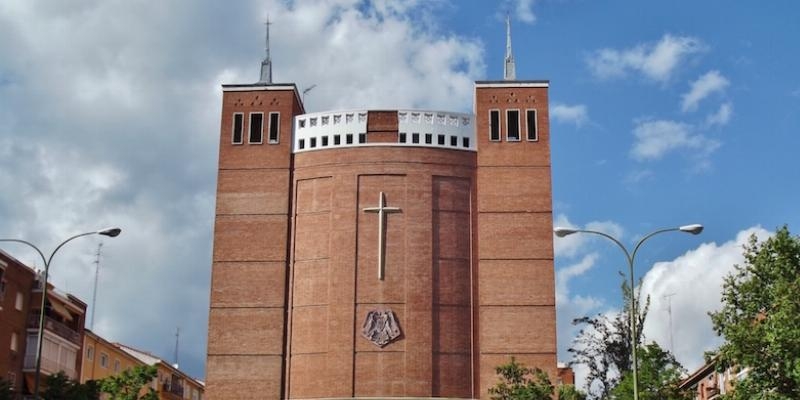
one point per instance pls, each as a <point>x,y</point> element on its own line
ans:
<point>382,210</point>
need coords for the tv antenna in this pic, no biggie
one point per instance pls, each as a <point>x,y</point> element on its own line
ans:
<point>177,339</point>
<point>96,278</point>
<point>306,90</point>
<point>668,296</point>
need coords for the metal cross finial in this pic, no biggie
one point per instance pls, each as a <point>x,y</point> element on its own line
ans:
<point>381,210</point>
<point>266,65</point>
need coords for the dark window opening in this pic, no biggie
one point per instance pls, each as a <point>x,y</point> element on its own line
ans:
<point>415,138</point>
<point>349,138</point>
<point>533,132</point>
<point>238,128</point>
<point>337,139</point>
<point>324,141</point>
<point>428,138</point>
<point>301,144</point>
<point>512,118</point>
<point>312,142</point>
<point>453,141</point>
<point>440,140</point>
<point>362,138</point>
<point>494,125</point>
<point>274,127</point>
<point>256,131</point>
<point>465,142</point>
<point>402,137</point>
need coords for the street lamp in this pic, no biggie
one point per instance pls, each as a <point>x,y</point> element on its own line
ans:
<point>110,232</point>
<point>694,229</point>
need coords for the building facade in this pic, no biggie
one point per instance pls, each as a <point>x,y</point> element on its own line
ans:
<point>380,253</point>
<point>16,284</point>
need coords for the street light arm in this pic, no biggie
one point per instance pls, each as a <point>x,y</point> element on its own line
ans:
<point>66,241</point>
<point>613,239</point>
<point>44,259</point>
<point>648,236</point>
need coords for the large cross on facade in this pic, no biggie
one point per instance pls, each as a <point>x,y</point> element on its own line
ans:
<point>381,210</point>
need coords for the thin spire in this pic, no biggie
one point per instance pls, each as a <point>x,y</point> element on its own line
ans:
<point>509,72</point>
<point>266,65</point>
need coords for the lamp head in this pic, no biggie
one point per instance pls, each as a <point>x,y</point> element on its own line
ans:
<point>694,229</point>
<point>110,232</point>
<point>561,231</point>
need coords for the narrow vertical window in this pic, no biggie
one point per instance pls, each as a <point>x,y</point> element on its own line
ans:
<point>274,127</point>
<point>465,141</point>
<point>440,140</point>
<point>348,138</point>
<point>415,138</point>
<point>19,301</point>
<point>238,128</point>
<point>324,141</point>
<point>362,138</point>
<point>512,129</point>
<point>256,127</point>
<point>428,138</point>
<point>337,139</point>
<point>494,125</point>
<point>401,137</point>
<point>301,144</point>
<point>533,126</point>
<point>453,141</point>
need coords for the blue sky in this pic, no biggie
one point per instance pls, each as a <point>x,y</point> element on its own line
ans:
<point>662,114</point>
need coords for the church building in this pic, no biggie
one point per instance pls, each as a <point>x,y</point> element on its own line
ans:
<point>380,253</point>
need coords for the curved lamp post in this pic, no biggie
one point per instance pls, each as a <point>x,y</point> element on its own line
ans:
<point>110,232</point>
<point>694,229</point>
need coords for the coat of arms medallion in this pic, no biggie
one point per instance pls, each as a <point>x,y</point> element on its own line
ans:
<point>380,327</point>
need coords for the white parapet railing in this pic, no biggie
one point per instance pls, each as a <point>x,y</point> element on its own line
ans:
<point>416,128</point>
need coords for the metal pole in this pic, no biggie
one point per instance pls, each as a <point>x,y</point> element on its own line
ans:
<point>634,344</point>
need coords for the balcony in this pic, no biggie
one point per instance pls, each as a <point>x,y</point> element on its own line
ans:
<point>172,388</point>
<point>56,327</point>
<point>50,366</point>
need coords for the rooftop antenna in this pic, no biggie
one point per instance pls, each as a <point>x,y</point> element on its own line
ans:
<point>177,338</point>
<point>509,72</point>
<point>96,278</point>
<point>266,65</point>
<point>668,296</point>
<point>306,90</point>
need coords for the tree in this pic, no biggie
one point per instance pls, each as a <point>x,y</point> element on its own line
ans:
<point>760,318</point>
<point>604,345</point>
<point>569,392</point>
<point>659,377</point>
<point>129,384</point>
<point>518,382</point>
<point>60,387</point>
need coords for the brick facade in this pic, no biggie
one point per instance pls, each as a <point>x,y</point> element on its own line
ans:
<point>468,256</point>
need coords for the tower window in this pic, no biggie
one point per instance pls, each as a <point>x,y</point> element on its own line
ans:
<point>454,141</point>
<point>494,125</point>
<point>440,140</point>
<point>362,138</point>
<point>512,128</point>
<point>301,144</point>
<point>401,137</point>
<point>337,139</point>
<point>274,127</point>
<point>465,141</point>
<point>256,128</point>
<point>312,142</point>
<point>324,141</point>
<point>533,126</point>
<point>428,138</point>
<point>415,138</point>
<point>238,128</point>
<point>348,139</point>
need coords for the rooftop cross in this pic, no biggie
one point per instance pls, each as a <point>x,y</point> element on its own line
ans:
<point>508,68</point>
<point>266,65</point>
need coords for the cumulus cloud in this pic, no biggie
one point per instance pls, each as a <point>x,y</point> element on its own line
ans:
<point>523,9</point>
<point>656,61</point>
<point>655,138</point>
<point>722,116</point>
<point>123,130</point>
<point>569,114</point>
<point>691,286</point>
<point>709,83</point>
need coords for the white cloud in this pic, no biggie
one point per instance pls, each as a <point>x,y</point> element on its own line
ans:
<point>129,135</point>
<point>655,138</point>
<point>704,86</point>
<point>696,279</point>
<point>722,116</point>
<point>656,61</point>
<point>572,245</point>
<point>573,114</point>
<point>524,11</point>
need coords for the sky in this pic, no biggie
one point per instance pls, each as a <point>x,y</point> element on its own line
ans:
<point>662,114</point>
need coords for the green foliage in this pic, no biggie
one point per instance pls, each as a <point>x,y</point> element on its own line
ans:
<point>760,319</point>
<point>518,382</point>
<point>604,345</point>
<point>659,377</point>
<point>5,390</point>
<point>60,387</point>
<point>570,392</point>
<point>128,384</point>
